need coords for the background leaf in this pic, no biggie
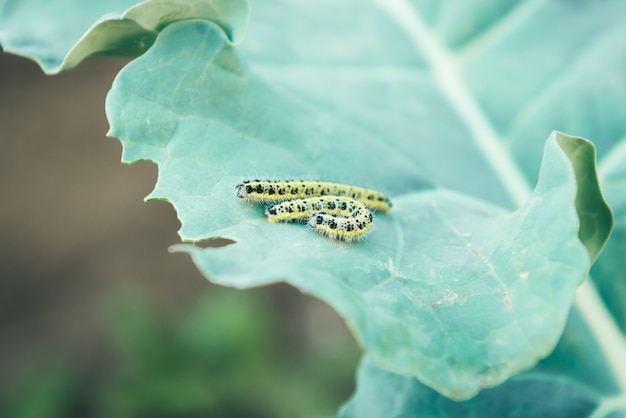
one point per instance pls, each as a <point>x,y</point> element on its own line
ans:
<point>570,383</point>
<point>59,35</point>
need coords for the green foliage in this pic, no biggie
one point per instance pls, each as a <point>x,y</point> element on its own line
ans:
<point>446,107</point>
<point>51,392</point>
<point>224,358</point>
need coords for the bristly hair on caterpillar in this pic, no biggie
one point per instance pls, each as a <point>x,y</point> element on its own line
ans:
<point>278,190</point>
<point>342,228</point>
<point>337,211</point>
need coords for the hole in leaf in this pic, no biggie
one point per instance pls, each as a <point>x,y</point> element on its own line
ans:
<point>214,243</point>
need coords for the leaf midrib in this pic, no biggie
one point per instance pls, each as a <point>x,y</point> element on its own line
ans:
<point>444,68</point>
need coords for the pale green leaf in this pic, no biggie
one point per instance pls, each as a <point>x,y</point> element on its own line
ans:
<point>454,290</point>
<point>58,35</point>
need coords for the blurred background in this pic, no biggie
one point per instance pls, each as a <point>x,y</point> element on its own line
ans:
<point>97,319</point>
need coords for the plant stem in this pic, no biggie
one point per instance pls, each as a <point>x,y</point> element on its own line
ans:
<point>604,329</point>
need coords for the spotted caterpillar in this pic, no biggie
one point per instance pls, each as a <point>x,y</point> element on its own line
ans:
<point>337,211</point>
<point>277,191</point>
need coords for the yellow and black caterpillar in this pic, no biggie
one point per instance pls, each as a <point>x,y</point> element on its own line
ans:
<point>338,211</point>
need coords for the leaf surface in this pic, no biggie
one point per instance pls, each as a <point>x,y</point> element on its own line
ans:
<point>455,290</point>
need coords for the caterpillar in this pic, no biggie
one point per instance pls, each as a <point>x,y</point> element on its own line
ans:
<point>337,211</point>
<point>299,209</point>
<point>343,228</point>
<point>276,191</point>
<point>337,217</point>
